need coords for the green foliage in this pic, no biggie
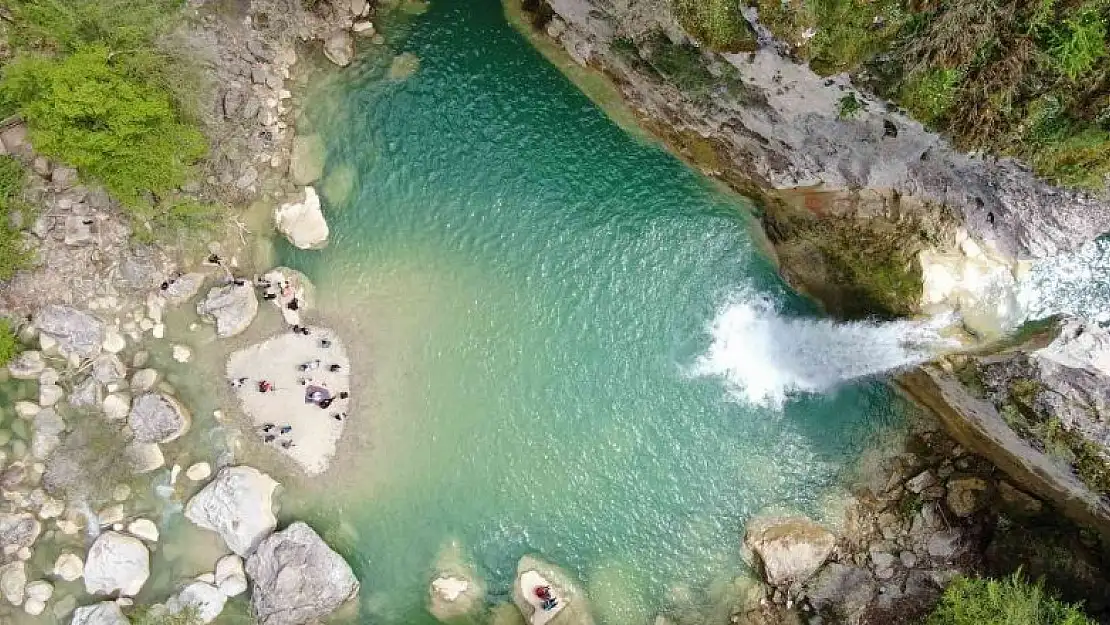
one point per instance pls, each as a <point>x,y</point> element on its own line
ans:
<point>681,64</point>
<point>180,219</point>
<point>1077,44</point>
<point>848,106</point>
<point>1009,601</point>
<point>717,23</point>
<point>9,342</point>
<point>143,615</point>
<point>13,256</point>
<point>86,111</point>
<point>930,95</point>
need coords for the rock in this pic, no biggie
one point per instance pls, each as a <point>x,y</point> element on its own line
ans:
<point>63,177</point>
<point>231,579</point>
<point>789,549</point>
<point>116,563</point>
<point>40,590</point>
<point>87,394</point>
<point>182,353</point>
<point>69,567</point>
<point>27,409</point>
<point>157,418</point>
<point>572,608</point>
<point>908,559</point>
<point>75,331</point>
<point>14,139</point>
<point>233,307</point>
<point>966,495</point>
<point>199,471</point>
<point>34,607</point>
<point>145,457</point>
<point>339,48</point>
<point>232,102</point>
<point>27,365</point>
<point>143,380</point>
<point>13,582</point>
<point>360,8</point>
<point>183,288</point>
<point>456,592</point>
<point>116,406</point>
<point>108,368</point>
<point>78,230</point>
<point>18,530</point>
<point>49,377</point>
<point>260,51</point>
<point>306,164</point>
<point>237,505</point>
<point>103,613</point>
<point>41,166</point>
<point>842,592</point>
<point>144,529</point>
<point>113,342</point>
<point>364,28</point>
<point>944,545</point>
<point>50,394</point>
<point>881,559</point>
<point>205,599</point>
<point>1019,501</point>
<point>921,481</point>
<point>298,578</point>
<point>47,435</point>
<point>303,222</point>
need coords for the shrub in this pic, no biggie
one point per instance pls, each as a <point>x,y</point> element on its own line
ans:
<point>1009,601</point>
<point>848,106</point>
<point>13,256</point>
<point>1077,44</point>
<point>9,342</point>
<point>84,110</point>
<point>930,95</point>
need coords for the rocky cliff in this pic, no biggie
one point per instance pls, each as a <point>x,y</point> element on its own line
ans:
<point>849,201</point>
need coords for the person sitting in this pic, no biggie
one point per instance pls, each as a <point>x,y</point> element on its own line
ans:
<point>265,386</point>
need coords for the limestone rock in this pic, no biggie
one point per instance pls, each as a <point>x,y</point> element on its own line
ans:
<point>103,613</point>
<point>27,365</point>
<point>38,593</point>
<point>230,577</point>
<point>182,353</point>
<point>145,457</point>
<point>572,608</point>
<point>183,288</point>
<point>307,161</point>
<point>13,582</point>
<point>1019,501</point>
<point>87,394</point>
<point>116,406</point>
<point>143,380</point>
<point>303,222</point>
<point>27,409</point>
<point>789,549</point>
<point>108,368</point>
<point>199,471</point>
<point>232,306</point>
<point>75,331</point>
<point>204,598</point>
<point>18,530</point>
<point>144,529</point>
<point>298,578</point>
<point>921,481</point>
<point>50,394</point>
<point>966,495</point>
<point>944,545</point>
<point>69,567</point>
<point>116,563</point>
<point>157,418</point>
<point>339,48</point>
<point>49,427</point>
<point>237,505</point>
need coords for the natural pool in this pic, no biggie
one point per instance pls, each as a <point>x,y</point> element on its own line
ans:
<point>530,294</point>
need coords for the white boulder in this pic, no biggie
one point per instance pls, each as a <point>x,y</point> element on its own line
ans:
<point>116,562</point>
<point>303,222</point>
<point>230,577</point>
<point>204,598</point>
<point>103,613</point>
<point>238,505</point>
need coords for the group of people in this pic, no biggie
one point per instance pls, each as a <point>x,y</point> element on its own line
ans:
<point>548,601</point>
<point>271,432</point>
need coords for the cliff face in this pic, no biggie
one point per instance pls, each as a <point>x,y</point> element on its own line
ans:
<point>850,198</point>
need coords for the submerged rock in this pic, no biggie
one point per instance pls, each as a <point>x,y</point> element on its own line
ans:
<point>27,365</point>
<point>18,530</point>
<point>76,332</point>
<point>232,307</point>
<point>571,607</point>
<point>237,505</point>
<point>306,163</point>
<point>339,47</point>
<point>183,288</point>
<point>403,66</point>
<point>103,613</point>
<point>69,567</point>
<point>456,590</point>
<point>303,222</point>
<point>116,563</point>
<point>789,549</point>
<point>298,578</point>
<point>13,582</point>
<point>205,599</point>
<point>157,418</point>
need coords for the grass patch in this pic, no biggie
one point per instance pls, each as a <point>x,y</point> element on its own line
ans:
<point>13,212</point>
<point>9,342</point>
<point>931,94</point>
<point>1009,601</point>
<point>848,106</point>
<point>717,23</point>
<point>145,615</point>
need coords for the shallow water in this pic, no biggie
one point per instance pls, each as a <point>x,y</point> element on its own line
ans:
<point>528,293</point>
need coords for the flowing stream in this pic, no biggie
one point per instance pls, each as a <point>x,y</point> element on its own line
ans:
<point>568,343</point>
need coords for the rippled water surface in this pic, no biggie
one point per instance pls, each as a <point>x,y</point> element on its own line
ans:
<point>529,294</point>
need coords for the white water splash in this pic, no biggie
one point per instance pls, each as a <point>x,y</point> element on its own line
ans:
<point>1076,284</point>
<point>764,356</point>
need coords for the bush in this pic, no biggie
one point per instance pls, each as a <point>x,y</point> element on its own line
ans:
<point>13,256</point>
<point>930,95</point>
<point>86,111</point>
<point>9,342</point>
<point>1010,601</point>
<point>848,106</point>
<point>1077,44</point>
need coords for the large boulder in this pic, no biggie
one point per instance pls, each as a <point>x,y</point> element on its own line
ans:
<point>205,599</point>
<point>303,222</point>
<point>238,505</point>
<point>103,613</point>
<point>339,47</point>
<point>789,550</point>
<point>76,332</point>
<point>27,365</point>
<point>298,578</point>
<point>116,563</point>
<point>17,530</point>
<point>306,164</point>
<point>182,288</point>
<point>571,607</point>
<point>842,593</point>
<point>157,418</point>
<point>232,306</point>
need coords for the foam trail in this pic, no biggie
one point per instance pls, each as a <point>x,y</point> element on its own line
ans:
<point>764,356</point>
<point>1077,283</point>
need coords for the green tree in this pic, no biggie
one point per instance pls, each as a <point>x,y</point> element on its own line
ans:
<point>1009,601</point>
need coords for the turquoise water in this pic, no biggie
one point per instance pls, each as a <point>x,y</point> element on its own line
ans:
<point>527,292</point>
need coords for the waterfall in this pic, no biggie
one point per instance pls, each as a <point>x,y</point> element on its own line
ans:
<point>1076,284</point>
<point>764,356</point>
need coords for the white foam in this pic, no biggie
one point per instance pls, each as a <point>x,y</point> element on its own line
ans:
<point>1077,284</point>
<point>764,356</point>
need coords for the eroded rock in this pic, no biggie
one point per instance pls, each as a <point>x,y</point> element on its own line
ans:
<point>303,222</point>
<point>116,562</point>
<point>238,505</point>
<point>232,307</point>
<point>789,549</point>
<point>76,332</point>
<point>157,418</point>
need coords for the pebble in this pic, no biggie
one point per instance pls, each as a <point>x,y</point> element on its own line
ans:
<point>41,590</point>
<point>69,567</point>
<point>49,376</point>
<point>26,409</point>
<point>50,394</point>
<point>198,471</point>
<point>181,353</point>
<point>114,342</point>
<point>159,331</point>
<point>144,529</point>
<point>111,515</point>
<point>51,508</point>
